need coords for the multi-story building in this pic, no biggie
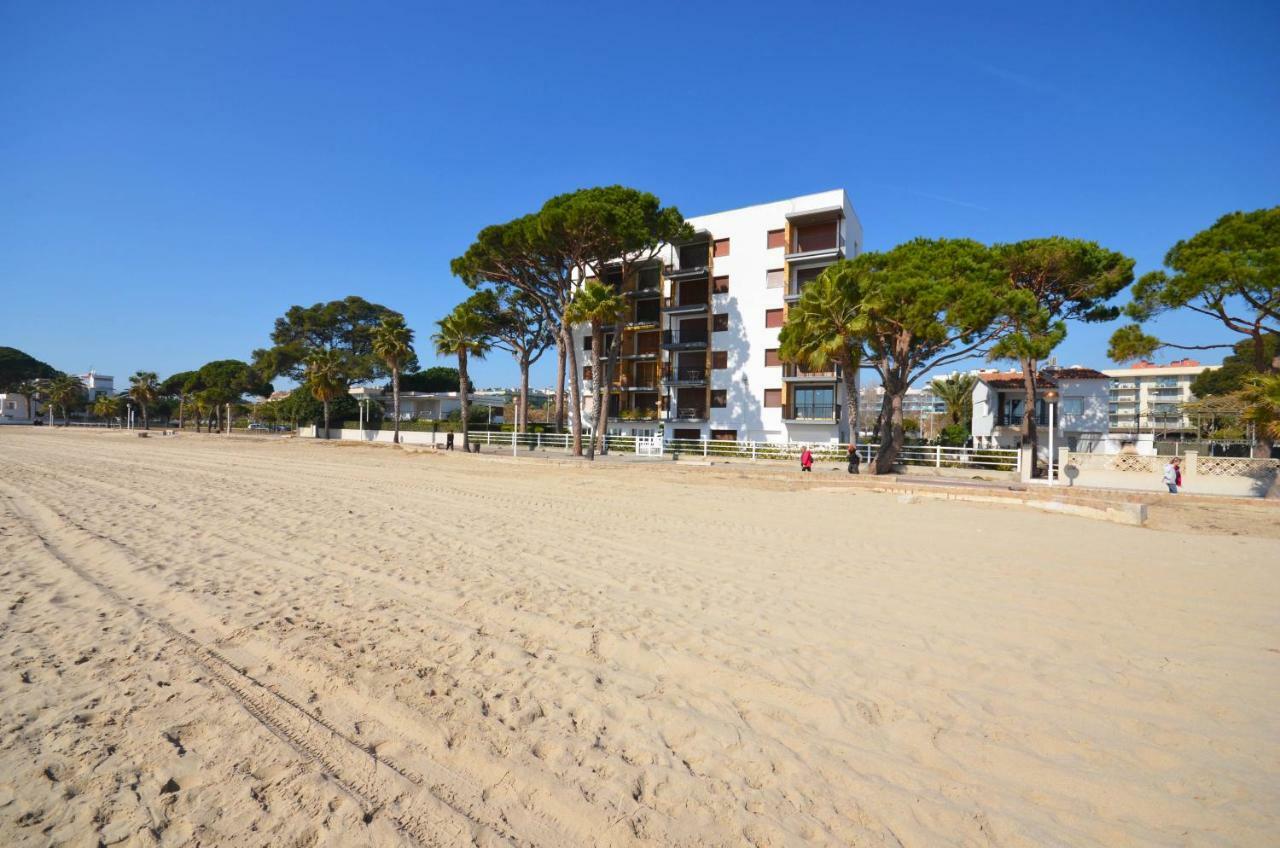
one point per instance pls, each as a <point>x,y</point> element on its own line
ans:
<point>700,340</point>
<point>1148,398</point>
<point>96,384</point>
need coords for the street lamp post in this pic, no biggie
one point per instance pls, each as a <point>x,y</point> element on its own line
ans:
<point>1051,398</point>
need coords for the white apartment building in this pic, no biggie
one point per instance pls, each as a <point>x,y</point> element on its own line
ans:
<point>1148,398</point>
<point>699,351</point>
<point>97,384</point>
<point>14,409</point>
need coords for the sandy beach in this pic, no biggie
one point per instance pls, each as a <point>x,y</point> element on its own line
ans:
<point>211,641</point>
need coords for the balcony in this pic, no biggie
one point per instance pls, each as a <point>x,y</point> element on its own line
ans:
<point>816,235</point>
<point>685,339</point>
<point>641,355</point>
<point>674,306</point>
<point>644,294</point>
<point>796,373</point>
<point>823,413</point>
<point>687,414</point>
<point>681,376</point>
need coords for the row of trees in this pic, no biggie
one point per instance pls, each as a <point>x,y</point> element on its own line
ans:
<point>929,303</point>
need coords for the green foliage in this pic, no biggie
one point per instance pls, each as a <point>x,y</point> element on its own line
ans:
<point>596,304</point>
<point>465,331</point>
<point>65,392</point>
<point>435,379</point>
<point>953,435</point>
<point>1262,396</point>
<point>1052,281</point>
<point>17,367</point>
<point>956,391</point>
<point>392,342</point>
<point>343,327</point>
<point>1229,272</point>
<point>1236,368</point>
<point>300,406</point>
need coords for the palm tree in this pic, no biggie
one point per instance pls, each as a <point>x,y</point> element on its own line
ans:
<point>823,330</point>
<point>63,391</point>
<point>107,407</point>
<point>956,392</point>
<point>463,333</point>
<point>144,388</point>
<point>600,306</point>
<point>325,379</point>
<point>1263,398</point>
<point>393,344</point>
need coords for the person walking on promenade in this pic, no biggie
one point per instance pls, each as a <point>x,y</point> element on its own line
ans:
<point>448,440</point>
<point>1172,475</point>
<point>806,460</point>
<point>855,459</point>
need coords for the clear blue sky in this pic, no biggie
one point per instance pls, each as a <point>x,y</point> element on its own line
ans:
<point>174,175</point>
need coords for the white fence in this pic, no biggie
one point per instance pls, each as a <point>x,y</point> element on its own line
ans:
<point>1207,475</point>
<point>931,456</point>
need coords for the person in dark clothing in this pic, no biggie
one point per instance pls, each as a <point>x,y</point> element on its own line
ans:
<point>855,459</point>
<point>448,440</point>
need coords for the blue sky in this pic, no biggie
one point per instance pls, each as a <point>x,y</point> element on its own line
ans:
<point>173,176</point>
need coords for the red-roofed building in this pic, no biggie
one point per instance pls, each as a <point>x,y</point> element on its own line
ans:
<point>999,399</point>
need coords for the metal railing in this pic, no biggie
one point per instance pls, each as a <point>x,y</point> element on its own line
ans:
<point>683,375</point>
<point>812,412</point>
<point>689,337</point>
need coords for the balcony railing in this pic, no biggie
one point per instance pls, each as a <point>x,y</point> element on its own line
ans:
<point>684,340</point>
<point>684,375</point>
<point>652,291</point>
<point>677,304</point>
<point>812,412</point>
<point>796,372</point>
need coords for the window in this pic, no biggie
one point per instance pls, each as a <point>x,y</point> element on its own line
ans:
<point>720,322</point>
<point>586,342</point>
<point>814,402</point>
<point>773,317</point>
<point>650,279</point>
<point>719,398</point>
<point>688,433</point>
<point>772,398</point>
<point>722,248</point>
<point>776,238</point>
<point>586,372</point>
<point>771,357</point>
<point>693,255</point>
<point>719,359</point>
<point>720,285</point>
<point>824,236</point>
<point>774,278</point>
<point>1071,406</point>
<point>724,435</point>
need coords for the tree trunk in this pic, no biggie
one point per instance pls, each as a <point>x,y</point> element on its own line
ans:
<point>891,435</point>
<point>395,404</point>
<point>574,378</point>
<point>560,365</point>
<point>463,387</point>
<point>601,389</point>
<point>228,418</point>
<point>1030,437</point>
<point>146,423</point>
<point>182,408</point>
<point>326,417</point>
<point>849,371</point>
<point>522,415</point>
<point>610,366</point>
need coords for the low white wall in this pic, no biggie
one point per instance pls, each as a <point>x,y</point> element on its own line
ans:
<point>1200,475</point>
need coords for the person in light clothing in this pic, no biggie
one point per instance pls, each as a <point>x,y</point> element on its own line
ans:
<point>1172,475</point>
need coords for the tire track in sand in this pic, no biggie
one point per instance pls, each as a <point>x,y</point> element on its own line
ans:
<point>376,782</point>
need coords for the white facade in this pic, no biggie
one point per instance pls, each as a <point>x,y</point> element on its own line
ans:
<point>430,406</point>
<point>1149,398</point>
<point>96,384</point>
<point>1080,413</point>
<point>14,409</point>
<point>703,382</point>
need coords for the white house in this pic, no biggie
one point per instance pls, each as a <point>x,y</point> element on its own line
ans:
<point>1080,416</point>
<point>431,406</point>
<point>14,409</point>
<point>700,346</point>
<point>96,384</point>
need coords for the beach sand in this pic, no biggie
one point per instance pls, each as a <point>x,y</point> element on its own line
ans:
<point>234,641</point>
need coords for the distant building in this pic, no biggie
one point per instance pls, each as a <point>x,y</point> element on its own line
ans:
<point>999,399</point>
<point>14,409</point>
<point>96,384</point>
<point>431,406</point>
<point>1148,398</point>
